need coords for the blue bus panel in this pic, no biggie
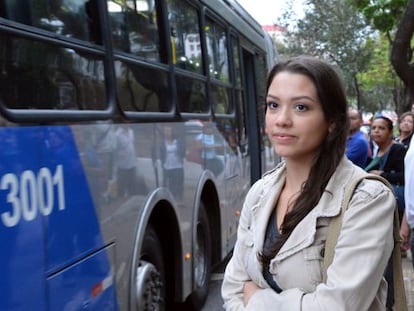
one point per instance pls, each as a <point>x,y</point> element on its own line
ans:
<point>48,223</point>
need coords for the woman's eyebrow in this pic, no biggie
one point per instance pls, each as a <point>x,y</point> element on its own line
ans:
<point>293,98</point>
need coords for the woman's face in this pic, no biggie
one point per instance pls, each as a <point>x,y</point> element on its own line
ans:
<point>295,122</point>
<point>380,132</point>
<point>406,124</point>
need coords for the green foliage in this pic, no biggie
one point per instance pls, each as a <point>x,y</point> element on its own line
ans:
<point>346,33</point>
<point>334,30</point>
<point>383,14</point>
<point>379,69</point>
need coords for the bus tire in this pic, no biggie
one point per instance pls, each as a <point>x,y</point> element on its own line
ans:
<point>202,262</point>
<point>150,275</point>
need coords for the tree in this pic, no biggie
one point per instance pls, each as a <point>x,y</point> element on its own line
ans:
<point>378,81</point>
<point>402,51</point>
<point>335,31</point>
<point>395,18</point>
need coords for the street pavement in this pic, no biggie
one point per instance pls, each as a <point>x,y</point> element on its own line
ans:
<point>408,273</point>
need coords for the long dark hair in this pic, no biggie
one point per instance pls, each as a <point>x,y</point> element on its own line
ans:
<point>334,105</point>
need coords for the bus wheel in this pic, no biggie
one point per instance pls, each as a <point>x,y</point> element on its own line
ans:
<point>150,275</point>
<point>202,262</point>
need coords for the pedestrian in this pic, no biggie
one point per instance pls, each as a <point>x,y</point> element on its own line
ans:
<point>389,159</point>
<point>277,263</point>
<point>126,161</point>
<point>388,163</point>
<point>407,224</point>
<point>172,156</point>
<point>405,127</point>
<point>357,149</point>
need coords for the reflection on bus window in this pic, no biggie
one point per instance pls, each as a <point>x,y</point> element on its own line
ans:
<point>221,101</point>
<point>236,63</point>
<point>185,36</point>
<point>141,88</point>
<point>37,75</point>
<point>217,51</point>
<point>191,95</point>
<point>70,18</point>
<point>242,118</point>
<point>134,28</point>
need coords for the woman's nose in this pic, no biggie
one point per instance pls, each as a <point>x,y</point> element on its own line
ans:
<point>283,117</point>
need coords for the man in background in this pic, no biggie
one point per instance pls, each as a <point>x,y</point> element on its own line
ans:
<point>357,145</point>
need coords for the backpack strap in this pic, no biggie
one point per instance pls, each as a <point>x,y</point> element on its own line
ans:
<point>334,229</point>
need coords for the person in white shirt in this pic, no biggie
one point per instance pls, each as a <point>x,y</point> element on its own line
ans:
<point>407,224</point>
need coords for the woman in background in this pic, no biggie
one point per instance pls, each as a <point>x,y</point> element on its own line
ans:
<point>406,127</point>
<point>388,163</point>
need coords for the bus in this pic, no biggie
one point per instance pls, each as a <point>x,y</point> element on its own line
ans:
<point>131,132</point>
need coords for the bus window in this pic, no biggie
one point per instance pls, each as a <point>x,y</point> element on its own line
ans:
<point>236,62</point>
<point>141,88</point>
<point>218,67</point>
<point>238,93</point>
<point>221,99</point>
<point>185,36</point>
<point>37,75</point>
<point>191,95</point>
<point>134,28</point>
<point>217,51</point>
<point>69,18</point>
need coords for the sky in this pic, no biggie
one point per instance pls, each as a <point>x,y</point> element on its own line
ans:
<point>266,12</point>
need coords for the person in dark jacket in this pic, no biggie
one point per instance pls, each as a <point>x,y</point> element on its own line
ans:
<point>388,163</point>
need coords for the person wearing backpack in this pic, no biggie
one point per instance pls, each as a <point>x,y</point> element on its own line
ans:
<point>278,259</point>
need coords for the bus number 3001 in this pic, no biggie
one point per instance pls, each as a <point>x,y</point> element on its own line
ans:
<point>32,194</point>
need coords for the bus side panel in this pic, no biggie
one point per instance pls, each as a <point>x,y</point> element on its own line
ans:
<point>72,227</point>
<point>22,254</point>
<point>48,220</point>
<point>95,292</point>
<point>21,267</point>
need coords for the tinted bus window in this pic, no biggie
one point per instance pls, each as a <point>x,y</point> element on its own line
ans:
<point>185,36</point>
<point>191,95</point>
<point>236,62</point>
<point>217,51</point>
<point>37,75</point>
<point>134,28</point>
<point>141,88</point>
<point>221,99</point>
<point>69,18</point>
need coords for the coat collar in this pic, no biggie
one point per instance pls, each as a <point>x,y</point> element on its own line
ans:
<point>303,235</point>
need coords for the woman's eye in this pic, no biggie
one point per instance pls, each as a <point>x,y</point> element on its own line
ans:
<point>272,105</point>
<point>301,107</point>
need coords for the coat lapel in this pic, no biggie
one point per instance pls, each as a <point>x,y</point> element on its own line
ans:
<point>273,182</point>
<point>329,205</point>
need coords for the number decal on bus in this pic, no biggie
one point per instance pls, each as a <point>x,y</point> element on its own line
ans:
<point>32,194</point>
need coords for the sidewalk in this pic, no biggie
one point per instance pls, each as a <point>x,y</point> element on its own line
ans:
<point>408,273</point>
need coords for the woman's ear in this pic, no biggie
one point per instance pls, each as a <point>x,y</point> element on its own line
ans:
<point>331,127</point>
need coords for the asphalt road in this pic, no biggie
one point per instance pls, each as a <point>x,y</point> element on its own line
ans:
<point>214,301</point>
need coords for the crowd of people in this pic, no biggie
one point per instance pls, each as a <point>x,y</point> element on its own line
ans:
<point>278,259</point>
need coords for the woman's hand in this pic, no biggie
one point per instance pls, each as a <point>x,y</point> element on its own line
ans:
<point>248,291</point>
<point>405,233</point>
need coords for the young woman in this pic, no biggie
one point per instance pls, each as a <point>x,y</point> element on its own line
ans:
<point>389,160</point>
<point>388,163</point>
<point>278,257</point>
<point>405,127</point>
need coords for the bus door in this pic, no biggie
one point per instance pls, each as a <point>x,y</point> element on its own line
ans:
<point>251,116</point>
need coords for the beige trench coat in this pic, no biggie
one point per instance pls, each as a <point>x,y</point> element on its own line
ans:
<point>355,278</point>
